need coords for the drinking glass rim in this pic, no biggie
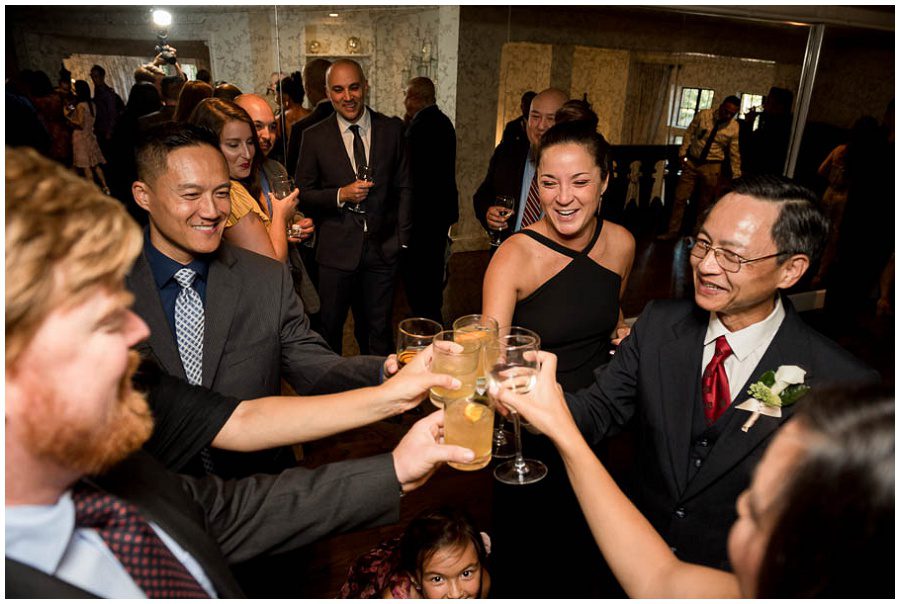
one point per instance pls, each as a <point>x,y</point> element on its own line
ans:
<point>530,340</point>
<point>425,320</point>
<point>469,347</point>
<point>480,316</point>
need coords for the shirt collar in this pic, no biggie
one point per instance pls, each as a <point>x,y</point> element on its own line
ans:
<point>38,535</point>
<point>744,341</point>
<point>164,268</point>
<point>364,122</point>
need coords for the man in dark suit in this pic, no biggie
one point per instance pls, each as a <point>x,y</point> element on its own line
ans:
<point>513,173</point>
<point>252,328</point>
<point>171,87</point>
<point>686,367</point>
<point>314,85</point>
<point>516,128</point>
<point>363,219</point>
<point>78,497</point>
<point>432,169</point>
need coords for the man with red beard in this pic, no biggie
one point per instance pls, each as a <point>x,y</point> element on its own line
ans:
<point>87,515</point>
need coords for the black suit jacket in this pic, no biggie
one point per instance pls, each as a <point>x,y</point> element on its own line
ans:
<point>323,109</point>
<point>504,177</point>
<point>432,170</point>
<point>221,523</point>
<point>324,167</point>
<point>654,377</point>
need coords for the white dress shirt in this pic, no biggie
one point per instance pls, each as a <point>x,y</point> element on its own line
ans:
<point>748,346</point>
<point>45,537</point>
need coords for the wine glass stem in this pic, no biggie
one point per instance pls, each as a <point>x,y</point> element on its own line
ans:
<point>521,468</point>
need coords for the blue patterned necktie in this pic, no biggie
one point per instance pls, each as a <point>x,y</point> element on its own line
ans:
<point>189,335</point>
<point>189,326</point>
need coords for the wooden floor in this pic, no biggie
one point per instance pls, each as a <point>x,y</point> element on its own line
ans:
<point>660,271</point>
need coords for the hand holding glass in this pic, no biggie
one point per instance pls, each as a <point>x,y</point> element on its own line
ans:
<point>456,358</point>
<point>413,336</point>
<point>508,203</point>
<point>468,422</point>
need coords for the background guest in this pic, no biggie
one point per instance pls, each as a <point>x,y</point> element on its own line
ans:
<point>226,91</point>
<point>86,153</point>
<point>190,96</point>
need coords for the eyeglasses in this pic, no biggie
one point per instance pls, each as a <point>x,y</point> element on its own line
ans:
<point>728,260</point>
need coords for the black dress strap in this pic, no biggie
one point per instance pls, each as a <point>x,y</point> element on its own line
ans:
<point>561,248</point>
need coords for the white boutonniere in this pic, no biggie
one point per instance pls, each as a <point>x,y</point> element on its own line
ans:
<point>774,390</point>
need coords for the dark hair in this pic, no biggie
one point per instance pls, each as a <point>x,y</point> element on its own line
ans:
<point>191,94</point>
<point>577,110</point>
<point>100,71</point>
<point>226,91</point>
<point>801,227</point>
<point>834,537</point>
<point>733,100</point>
<point>39,82</point>
<point>525,101</point>
<point>203,75</point>
<point>314,75</point>
<point>579,132</point>
<point>157,142</point>
<point>142,100</point>
<point>432,530</point>
<point>782,97</point>
<point>171,87</point>
<point>292,87</point>
<point>213,114</point>
<point>83,94</point>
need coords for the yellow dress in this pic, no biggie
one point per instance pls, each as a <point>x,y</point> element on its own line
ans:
<point>242,203</point>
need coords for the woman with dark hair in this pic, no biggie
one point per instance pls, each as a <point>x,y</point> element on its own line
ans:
<point>290,99</point>
<point>816,522</point>
<point>190,96</point>
<point>86,153</point>
<point>532,276</point>
<point>226,91</point>
<point>143,99</point>
<point>440,555</point>
<point>256,223</point>
<point>577,110</point>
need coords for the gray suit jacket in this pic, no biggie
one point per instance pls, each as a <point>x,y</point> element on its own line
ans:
<point>654,378</point>
<point>224,522</point>
<point>256,333</point>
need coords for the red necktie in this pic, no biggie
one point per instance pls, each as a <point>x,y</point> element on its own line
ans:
<point>716,395</point>
<point>532,211</point>
<point>135,544</point>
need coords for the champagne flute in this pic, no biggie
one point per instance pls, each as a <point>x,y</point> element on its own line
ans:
<point>413,336</point>
<point>514,365</point>
<point>366,173</point>
<point>509,203</point>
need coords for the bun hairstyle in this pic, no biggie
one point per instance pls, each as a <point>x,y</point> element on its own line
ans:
<point>576,110</point>
<point>579,132</point>
<point>292,87</point>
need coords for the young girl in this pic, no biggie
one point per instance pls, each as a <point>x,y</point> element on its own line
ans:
<point>85,149</point>
<point>440,555</point>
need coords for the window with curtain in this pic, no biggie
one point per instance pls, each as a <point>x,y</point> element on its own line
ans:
<point>692,100</point>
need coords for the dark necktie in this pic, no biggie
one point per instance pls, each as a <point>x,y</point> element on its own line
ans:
<point>137,547</point>
<point>532,211</point>
<point>709,142</point>
<point>716,394</point>
<point>359,150</point>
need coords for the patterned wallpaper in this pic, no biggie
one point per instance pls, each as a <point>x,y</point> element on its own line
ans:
<point>603,74</point>
<point>523,67</point>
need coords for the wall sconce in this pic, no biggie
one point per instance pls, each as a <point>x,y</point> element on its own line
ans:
<point>424,62</point>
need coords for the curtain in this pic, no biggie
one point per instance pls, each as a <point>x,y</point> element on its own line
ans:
<point>651,86</point>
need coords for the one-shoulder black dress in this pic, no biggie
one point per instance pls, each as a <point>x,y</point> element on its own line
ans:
<point>574,312</point>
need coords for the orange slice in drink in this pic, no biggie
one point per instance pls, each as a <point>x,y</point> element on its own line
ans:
<point>473,412</point>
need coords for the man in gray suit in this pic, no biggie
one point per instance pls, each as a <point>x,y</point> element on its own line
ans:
<point>242,328</point>
<point>78,497</point>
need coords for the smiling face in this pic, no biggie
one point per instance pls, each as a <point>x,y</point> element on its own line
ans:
<point>757,507</point>
<point>570,186</point>
<point>69,396</point>
<point>347,90</point>
<point>188,203</point>
<point>236,144</point>
<point>743,225</point>
<point>452,572</point>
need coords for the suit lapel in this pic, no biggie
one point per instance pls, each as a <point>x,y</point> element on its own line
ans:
<point>222,293</point>
<point>148,306</point>
<point>679,369</point>
<point>788,347</point>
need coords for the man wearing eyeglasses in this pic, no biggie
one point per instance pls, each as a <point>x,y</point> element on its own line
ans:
<point>687,366</point>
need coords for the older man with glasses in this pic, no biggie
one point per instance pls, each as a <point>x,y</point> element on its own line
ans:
<point>684,372</point>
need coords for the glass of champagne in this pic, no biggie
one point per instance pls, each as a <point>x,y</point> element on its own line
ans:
<point>364,172</point>
<point>468,422</point>
<point>508,202</point>
<point>413,336</point>
<point>456,358</point>
<point>512,359</point>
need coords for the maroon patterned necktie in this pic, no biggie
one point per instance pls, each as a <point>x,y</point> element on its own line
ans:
<point>532,211</point>
<point>137,547</point>
<point>716,395</point>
